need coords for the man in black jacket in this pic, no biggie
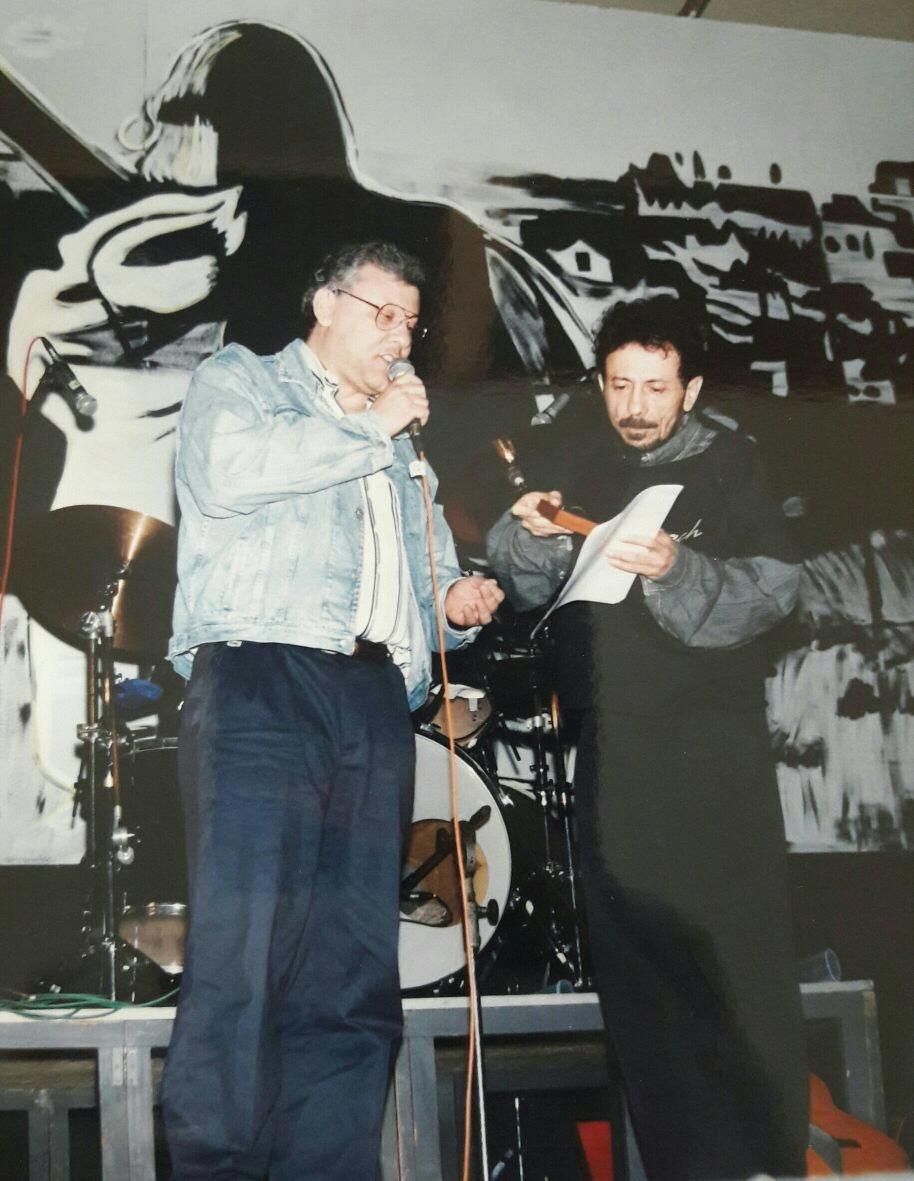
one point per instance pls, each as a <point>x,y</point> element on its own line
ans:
<point>681,839</point>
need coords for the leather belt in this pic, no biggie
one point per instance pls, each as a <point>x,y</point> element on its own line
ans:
<point>368,650</point>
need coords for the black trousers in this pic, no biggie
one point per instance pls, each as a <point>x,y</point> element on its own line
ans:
<point>683,866</point>
<point>296,772</point>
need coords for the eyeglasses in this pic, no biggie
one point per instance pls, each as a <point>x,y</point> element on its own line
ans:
<point>389,315</point>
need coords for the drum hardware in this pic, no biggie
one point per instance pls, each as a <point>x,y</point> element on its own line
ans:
<point>543,785</point>
<point>563,788</point>
<point>529,940</point>
<point>432,957</point>
<point>530,665</point>
<point>159,931</point>
<point>153,918</point>
<point>525,719</point>
<point>445,848</point>
<point>520,675</point>
<point>106,839</point>
<point>540,933</point>
<point>422,906</point>
<point>471,713</point>
<point>122,563</point>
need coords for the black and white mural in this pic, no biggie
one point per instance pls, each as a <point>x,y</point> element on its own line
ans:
<point>170,176</point>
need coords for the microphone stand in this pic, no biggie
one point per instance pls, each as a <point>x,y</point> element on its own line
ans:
<point>466,862</point>
<point>108,842</point>
<point>468,836</point>
<point>445,846</point>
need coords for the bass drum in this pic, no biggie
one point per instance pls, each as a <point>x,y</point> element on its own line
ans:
<point>430,953</point>
<point>153,889</point>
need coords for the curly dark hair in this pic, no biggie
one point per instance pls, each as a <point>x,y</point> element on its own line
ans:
<point>658,322</point>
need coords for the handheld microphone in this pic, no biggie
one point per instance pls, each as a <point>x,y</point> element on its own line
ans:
<point>400,368</point>
<point>60,377</point>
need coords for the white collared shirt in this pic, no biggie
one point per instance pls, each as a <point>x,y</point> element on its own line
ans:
<point>385,596</point>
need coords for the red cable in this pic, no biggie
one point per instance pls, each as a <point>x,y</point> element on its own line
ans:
<point>14,482</point>
<point>455,820</point>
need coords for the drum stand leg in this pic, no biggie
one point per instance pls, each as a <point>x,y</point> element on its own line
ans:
<point>540,768</point>
<point>566,811</point>
<point>555,800</point>
<point>555,796</point>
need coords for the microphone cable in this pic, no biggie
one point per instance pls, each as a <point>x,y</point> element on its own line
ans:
<point>474,1052</point>
<point>14,478</point>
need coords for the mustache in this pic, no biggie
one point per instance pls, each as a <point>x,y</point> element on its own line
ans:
<point>635,424</point>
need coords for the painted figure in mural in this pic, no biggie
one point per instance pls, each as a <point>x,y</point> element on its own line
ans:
<point>243,173</point>
<point>247,172</point>
<point>680,833</point>
<point>306,610</point>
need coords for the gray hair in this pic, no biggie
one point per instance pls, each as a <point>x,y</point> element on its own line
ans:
<point>339,268</point>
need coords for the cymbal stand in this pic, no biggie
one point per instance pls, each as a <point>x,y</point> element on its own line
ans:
<point>107,840</point>
<point>540,768</point>
<point>563,790</point>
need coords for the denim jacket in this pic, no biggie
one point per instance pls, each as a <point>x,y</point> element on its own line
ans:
<point>271,533</point>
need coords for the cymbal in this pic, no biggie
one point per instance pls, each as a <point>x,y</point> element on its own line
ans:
<point>67,559</point>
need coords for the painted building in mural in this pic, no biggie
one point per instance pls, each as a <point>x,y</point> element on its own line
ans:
<point>138,240</point>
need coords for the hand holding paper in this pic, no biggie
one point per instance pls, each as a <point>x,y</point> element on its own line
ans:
<point>651,557</point>
<point>627,538</point>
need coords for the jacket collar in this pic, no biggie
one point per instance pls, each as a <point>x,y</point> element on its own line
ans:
<point>299,364</point>
<point>690,437</point>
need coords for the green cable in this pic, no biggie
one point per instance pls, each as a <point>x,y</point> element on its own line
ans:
<point>43,1006</point>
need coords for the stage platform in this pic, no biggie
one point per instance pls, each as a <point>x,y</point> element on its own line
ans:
<point>49,1067</point>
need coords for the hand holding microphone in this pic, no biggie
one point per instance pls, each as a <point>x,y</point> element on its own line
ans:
<point>404,403</point>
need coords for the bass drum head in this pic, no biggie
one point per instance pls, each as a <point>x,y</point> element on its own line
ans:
<point>429,954</point>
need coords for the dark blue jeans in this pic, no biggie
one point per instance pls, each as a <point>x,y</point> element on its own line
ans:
<point>297,772</point>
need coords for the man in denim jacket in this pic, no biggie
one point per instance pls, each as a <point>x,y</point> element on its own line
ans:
<point>306,612</point>
<point>679,827</point>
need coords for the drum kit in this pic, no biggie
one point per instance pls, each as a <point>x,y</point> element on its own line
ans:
<point>104,578</point>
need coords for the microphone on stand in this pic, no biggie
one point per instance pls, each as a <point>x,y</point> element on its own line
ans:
<point>553,410</point>
<point>400,368</point>
<point>60,377</point>
<point>506,451</point>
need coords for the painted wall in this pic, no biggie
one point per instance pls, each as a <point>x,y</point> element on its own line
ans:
<point>172,173</point>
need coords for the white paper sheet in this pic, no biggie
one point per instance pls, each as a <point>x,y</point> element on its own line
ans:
<point>593,578</point>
